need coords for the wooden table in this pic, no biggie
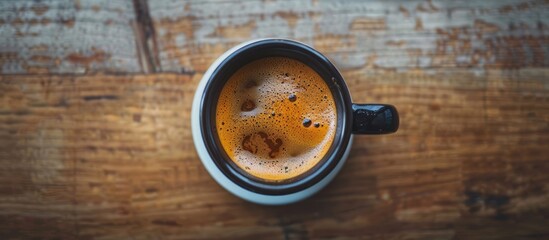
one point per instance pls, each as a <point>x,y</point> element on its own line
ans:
<point>95,139</point>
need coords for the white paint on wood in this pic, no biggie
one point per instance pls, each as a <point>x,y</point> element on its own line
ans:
<point>43,35</point>
<point>399,35</point>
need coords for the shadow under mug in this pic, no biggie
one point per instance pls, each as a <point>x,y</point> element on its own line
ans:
<point>351,119</point>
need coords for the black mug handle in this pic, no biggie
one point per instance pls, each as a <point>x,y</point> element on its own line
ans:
<point>374,119</point>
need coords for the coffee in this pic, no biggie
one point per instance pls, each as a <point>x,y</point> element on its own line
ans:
<point>276,118</point>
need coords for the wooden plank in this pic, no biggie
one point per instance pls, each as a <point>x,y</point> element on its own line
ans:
<point>62,36</point>
<point>394,35</point>
<point>112,157</point>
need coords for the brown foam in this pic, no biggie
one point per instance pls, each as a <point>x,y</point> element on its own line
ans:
<point>261,115</point>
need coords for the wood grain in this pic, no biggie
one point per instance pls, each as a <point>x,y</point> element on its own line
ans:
<point>112,157</point>
<point>63,36</point>
<point>91,148</point>
<point>394,35</point>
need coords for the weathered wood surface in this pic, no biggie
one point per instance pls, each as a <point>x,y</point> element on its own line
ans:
<point>102,156</point>
<point>64,36</point>
<point>112,157</point>
<point>393,35</point>
<point>58,36</point>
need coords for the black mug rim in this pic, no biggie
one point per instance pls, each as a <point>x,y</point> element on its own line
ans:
<point>282,48</point>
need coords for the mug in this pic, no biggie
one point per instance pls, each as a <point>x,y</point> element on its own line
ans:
<point>351,119</point>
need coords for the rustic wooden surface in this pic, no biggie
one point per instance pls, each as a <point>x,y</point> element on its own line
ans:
<point>101,148</point>
<point>65,36</point>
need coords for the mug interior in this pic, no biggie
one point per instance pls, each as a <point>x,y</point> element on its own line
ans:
<point>276,48</point>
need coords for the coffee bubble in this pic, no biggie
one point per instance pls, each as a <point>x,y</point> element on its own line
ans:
<point>247,106</point>
<point>307,122</point>
<point>292,98</point>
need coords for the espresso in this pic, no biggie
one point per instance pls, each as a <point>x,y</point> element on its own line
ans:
<point>276,118</point>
